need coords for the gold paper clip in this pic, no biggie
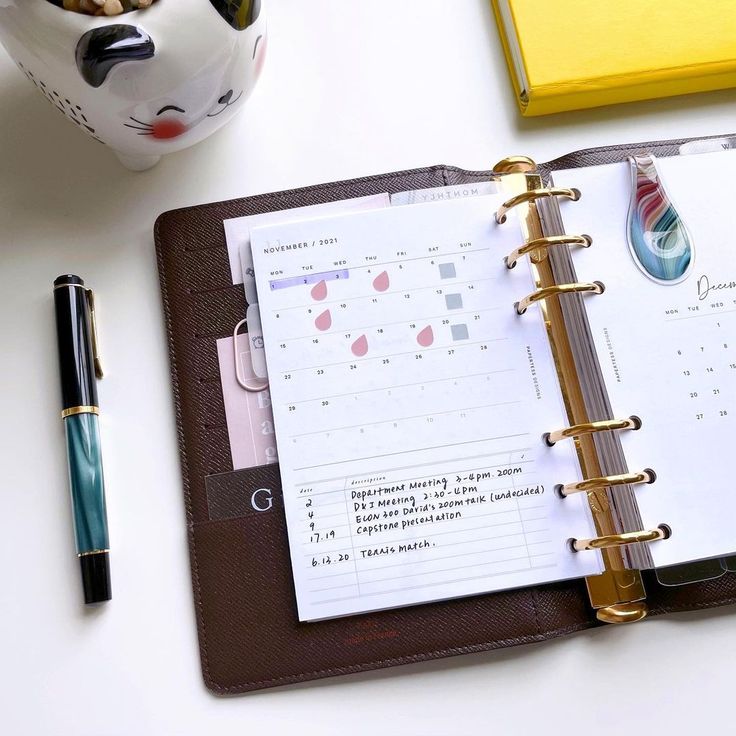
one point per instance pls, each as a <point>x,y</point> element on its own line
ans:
<point>606,481</point>
<point>595,287</point>
<point>243,382</point>
<point>619,540</point>
<point>584,241</point>
<point>93,325</point>
<point>530,196</point>
<point>577,430</point>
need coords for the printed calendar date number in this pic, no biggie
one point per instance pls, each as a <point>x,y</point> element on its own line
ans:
<point>721,413</point>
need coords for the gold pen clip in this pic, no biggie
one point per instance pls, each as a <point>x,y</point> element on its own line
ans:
<point>93,324</point>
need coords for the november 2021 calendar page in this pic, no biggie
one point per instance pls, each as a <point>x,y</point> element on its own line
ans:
<point>409,402</point>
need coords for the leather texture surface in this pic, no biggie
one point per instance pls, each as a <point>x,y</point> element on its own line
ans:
<point>249,634</point>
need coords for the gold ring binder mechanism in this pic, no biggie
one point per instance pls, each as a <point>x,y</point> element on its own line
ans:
<point>551,438</point>
<point>595,287</point>
<point>532,195</point>
<point>534,246</point>
<point>619,540</point>
<point>606,481</point>
<point>617,594</point>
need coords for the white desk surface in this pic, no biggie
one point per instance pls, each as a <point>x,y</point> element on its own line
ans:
<point>350,88</point>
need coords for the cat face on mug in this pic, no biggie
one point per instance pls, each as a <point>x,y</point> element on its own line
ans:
<point>185,93</point>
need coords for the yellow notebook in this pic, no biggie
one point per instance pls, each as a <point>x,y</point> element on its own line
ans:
<point>570,54</point>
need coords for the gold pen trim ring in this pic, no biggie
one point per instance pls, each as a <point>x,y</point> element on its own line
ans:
<point>73,410</point>
<point>93,552</point>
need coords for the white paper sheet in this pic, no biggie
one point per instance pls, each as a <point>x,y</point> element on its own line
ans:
<point>409,401</point>
<point>668,352</point>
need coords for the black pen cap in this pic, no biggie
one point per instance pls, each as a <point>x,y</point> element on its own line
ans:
<point>74,336</point>
<point>96,577</point>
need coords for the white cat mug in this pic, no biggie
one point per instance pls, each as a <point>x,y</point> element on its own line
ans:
<point>147,82</point>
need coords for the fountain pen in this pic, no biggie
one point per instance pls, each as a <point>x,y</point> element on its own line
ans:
<point>79,367</point>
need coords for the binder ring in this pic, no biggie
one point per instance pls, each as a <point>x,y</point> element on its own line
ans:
<point>595,287</point>
<point>606,481</point>
<point>533,194</point>
<point>619,540</point>
<point>242,382</point>
<point>577,430</point>
<point>584,241</point>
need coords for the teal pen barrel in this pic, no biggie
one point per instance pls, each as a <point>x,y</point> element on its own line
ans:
<point>86,482</point>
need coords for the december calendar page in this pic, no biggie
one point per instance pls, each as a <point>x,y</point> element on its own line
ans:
<point>668,350</point>
<point>409,402</point>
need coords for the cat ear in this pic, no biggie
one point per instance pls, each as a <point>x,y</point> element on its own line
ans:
<point>100,49</point>
<point>240,14</point>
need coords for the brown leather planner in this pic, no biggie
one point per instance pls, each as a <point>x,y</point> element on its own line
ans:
<point>249,634</point>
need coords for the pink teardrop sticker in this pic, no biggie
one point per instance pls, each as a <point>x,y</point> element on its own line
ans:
<point>381,282</point>
<point>319,291</point>
<point>324,320</point>
<point>360,346</point>
<point>426,337</point>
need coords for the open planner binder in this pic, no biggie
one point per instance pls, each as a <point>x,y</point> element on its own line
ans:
<point>249,631</point>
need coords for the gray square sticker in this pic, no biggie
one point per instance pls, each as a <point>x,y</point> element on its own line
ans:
<point>454,301</point>
<point>447,271</point>
<point>459,332</point>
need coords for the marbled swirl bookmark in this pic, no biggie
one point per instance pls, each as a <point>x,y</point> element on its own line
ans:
<point>658,239</point>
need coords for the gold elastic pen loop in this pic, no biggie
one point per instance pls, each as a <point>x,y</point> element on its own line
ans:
<point>530,196</point>
<point>577,430</point>
<point>607,481</point>
<point>542,244</point>
<point>73,410</point>
<point>619,540</point>
<point>594,287</point>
